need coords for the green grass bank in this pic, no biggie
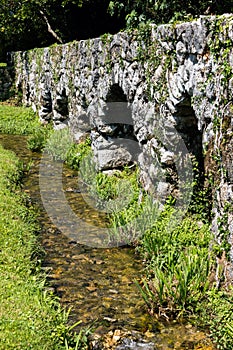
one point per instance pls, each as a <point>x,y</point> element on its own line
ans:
<point>30,318</point>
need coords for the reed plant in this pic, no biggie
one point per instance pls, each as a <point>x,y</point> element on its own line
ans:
<point>179,264</point>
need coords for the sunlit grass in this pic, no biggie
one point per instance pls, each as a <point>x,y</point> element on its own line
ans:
<point>17,120</point>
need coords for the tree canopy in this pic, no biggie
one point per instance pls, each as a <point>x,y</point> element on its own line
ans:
<point>164,11</point>
<point>25,24</point>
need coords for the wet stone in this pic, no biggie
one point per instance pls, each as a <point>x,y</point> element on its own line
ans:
<point>129,344</point>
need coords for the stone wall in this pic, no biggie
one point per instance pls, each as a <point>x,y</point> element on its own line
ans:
<point>170,85</point>
<point>6,81</point>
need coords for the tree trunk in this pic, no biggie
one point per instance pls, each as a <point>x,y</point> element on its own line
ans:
<point>50,30</point>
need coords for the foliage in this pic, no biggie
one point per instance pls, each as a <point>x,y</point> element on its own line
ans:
<point>27,24</point>
<point>217,315</point>
<point>163,11</point>
<point>58,144</point>
<point>178,265</point>
<point>201,203</point>
<point>31,318</point>
<point>38,137</point>
<point>77,153</point>
<point>115,191</point>
<point>23,121</point>
<point>19,16</point>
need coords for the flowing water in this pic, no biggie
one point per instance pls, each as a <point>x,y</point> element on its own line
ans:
<point>98,284</point>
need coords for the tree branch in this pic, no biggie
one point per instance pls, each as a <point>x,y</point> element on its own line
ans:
<point>50,30</point>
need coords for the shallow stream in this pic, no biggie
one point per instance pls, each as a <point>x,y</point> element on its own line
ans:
<point>98,284</point>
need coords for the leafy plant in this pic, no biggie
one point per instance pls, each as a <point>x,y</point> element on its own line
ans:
<point>217,315</point>
<point>77,152</point>
<point>163,11</point>
<point>58,144</point>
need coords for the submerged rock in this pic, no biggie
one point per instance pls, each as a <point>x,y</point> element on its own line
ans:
<point>128,344</point>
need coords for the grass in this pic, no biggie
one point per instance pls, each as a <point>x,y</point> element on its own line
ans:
<point>27,313</point>
<point>179,264</point>
<point>17,120</point>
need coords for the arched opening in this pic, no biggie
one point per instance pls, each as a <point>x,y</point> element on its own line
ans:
<point>45,111</point>
<point>118,114</point>
<point>61,105</point>
<point>116,94</point>
<point>115,145</point>
<point>187,126</point>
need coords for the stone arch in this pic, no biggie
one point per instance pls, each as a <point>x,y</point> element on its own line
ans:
<point>186,123</point>
<point>60,107</point>
<point>114,142</point>
<point>45,112</point>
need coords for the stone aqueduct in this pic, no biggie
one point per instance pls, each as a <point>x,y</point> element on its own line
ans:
<point>183,73</point>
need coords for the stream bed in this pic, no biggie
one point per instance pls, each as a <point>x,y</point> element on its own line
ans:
<point>98,284</point>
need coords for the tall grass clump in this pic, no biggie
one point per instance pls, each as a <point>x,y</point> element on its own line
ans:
<point>179,264</point>
<point>111,191</point>
<point>31,318</point>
